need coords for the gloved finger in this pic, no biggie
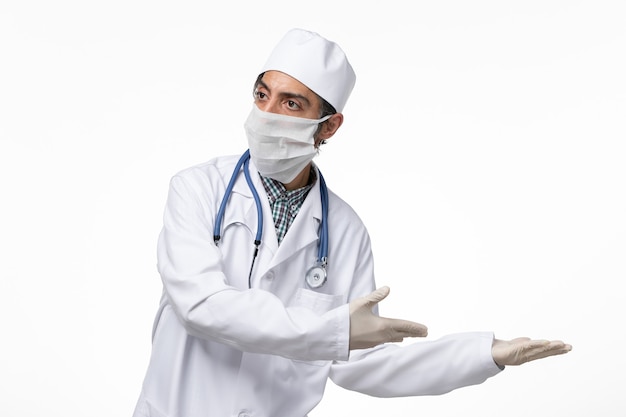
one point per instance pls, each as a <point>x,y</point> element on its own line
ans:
<point>369,300</point>
<point>377,296</point>
<point>546,348</point>
<point>559,348</point>
<point>531,350</point>
<point>406,328</point>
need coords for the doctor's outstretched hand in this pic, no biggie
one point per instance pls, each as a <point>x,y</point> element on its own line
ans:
<point>369,330</point>
<point>523,349</point>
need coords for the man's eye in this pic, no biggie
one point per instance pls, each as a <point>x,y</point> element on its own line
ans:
<point>292,104</point>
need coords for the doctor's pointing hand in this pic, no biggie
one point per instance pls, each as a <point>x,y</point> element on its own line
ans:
<point>369,330</point>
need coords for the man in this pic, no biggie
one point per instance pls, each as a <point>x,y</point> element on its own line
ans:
<point>253,320</point>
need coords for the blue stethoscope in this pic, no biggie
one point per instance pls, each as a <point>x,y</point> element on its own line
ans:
<point>316,275</point>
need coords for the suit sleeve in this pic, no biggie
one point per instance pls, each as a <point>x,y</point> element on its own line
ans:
<point>422,368</point>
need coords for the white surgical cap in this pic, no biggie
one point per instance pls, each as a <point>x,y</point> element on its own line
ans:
<point>316,62</point>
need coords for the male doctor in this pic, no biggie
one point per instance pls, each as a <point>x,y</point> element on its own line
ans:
<point>254,319</point>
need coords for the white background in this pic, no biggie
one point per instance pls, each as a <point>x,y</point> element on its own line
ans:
<point>483,146</point>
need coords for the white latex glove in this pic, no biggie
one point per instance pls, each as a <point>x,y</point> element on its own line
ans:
<point>368,330</point>
<point>523,349</point>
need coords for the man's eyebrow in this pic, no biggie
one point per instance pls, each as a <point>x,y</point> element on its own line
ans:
<point>262,84</point>
<point>285,94</point>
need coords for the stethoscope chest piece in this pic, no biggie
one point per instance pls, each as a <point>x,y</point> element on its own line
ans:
<point>316,275</point>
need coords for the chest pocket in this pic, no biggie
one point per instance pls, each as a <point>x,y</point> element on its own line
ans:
<point>318,302</point>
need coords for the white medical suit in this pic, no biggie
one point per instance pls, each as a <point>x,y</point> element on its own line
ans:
<point>220,349</point>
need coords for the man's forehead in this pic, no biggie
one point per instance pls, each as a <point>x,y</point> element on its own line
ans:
<point>277,79</point>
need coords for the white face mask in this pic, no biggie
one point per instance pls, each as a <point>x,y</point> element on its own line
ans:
<point>280,146</point>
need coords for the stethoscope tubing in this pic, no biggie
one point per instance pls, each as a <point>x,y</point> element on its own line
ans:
<point>322,253</point>
<point>229,189</point>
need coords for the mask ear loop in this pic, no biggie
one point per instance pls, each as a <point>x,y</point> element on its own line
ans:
<point>319,129</point>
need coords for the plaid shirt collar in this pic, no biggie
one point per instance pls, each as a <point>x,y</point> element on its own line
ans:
<point>285,203</point>
<point>276,189</point>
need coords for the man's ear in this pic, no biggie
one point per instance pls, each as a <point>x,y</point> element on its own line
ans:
<point>329,127</point>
